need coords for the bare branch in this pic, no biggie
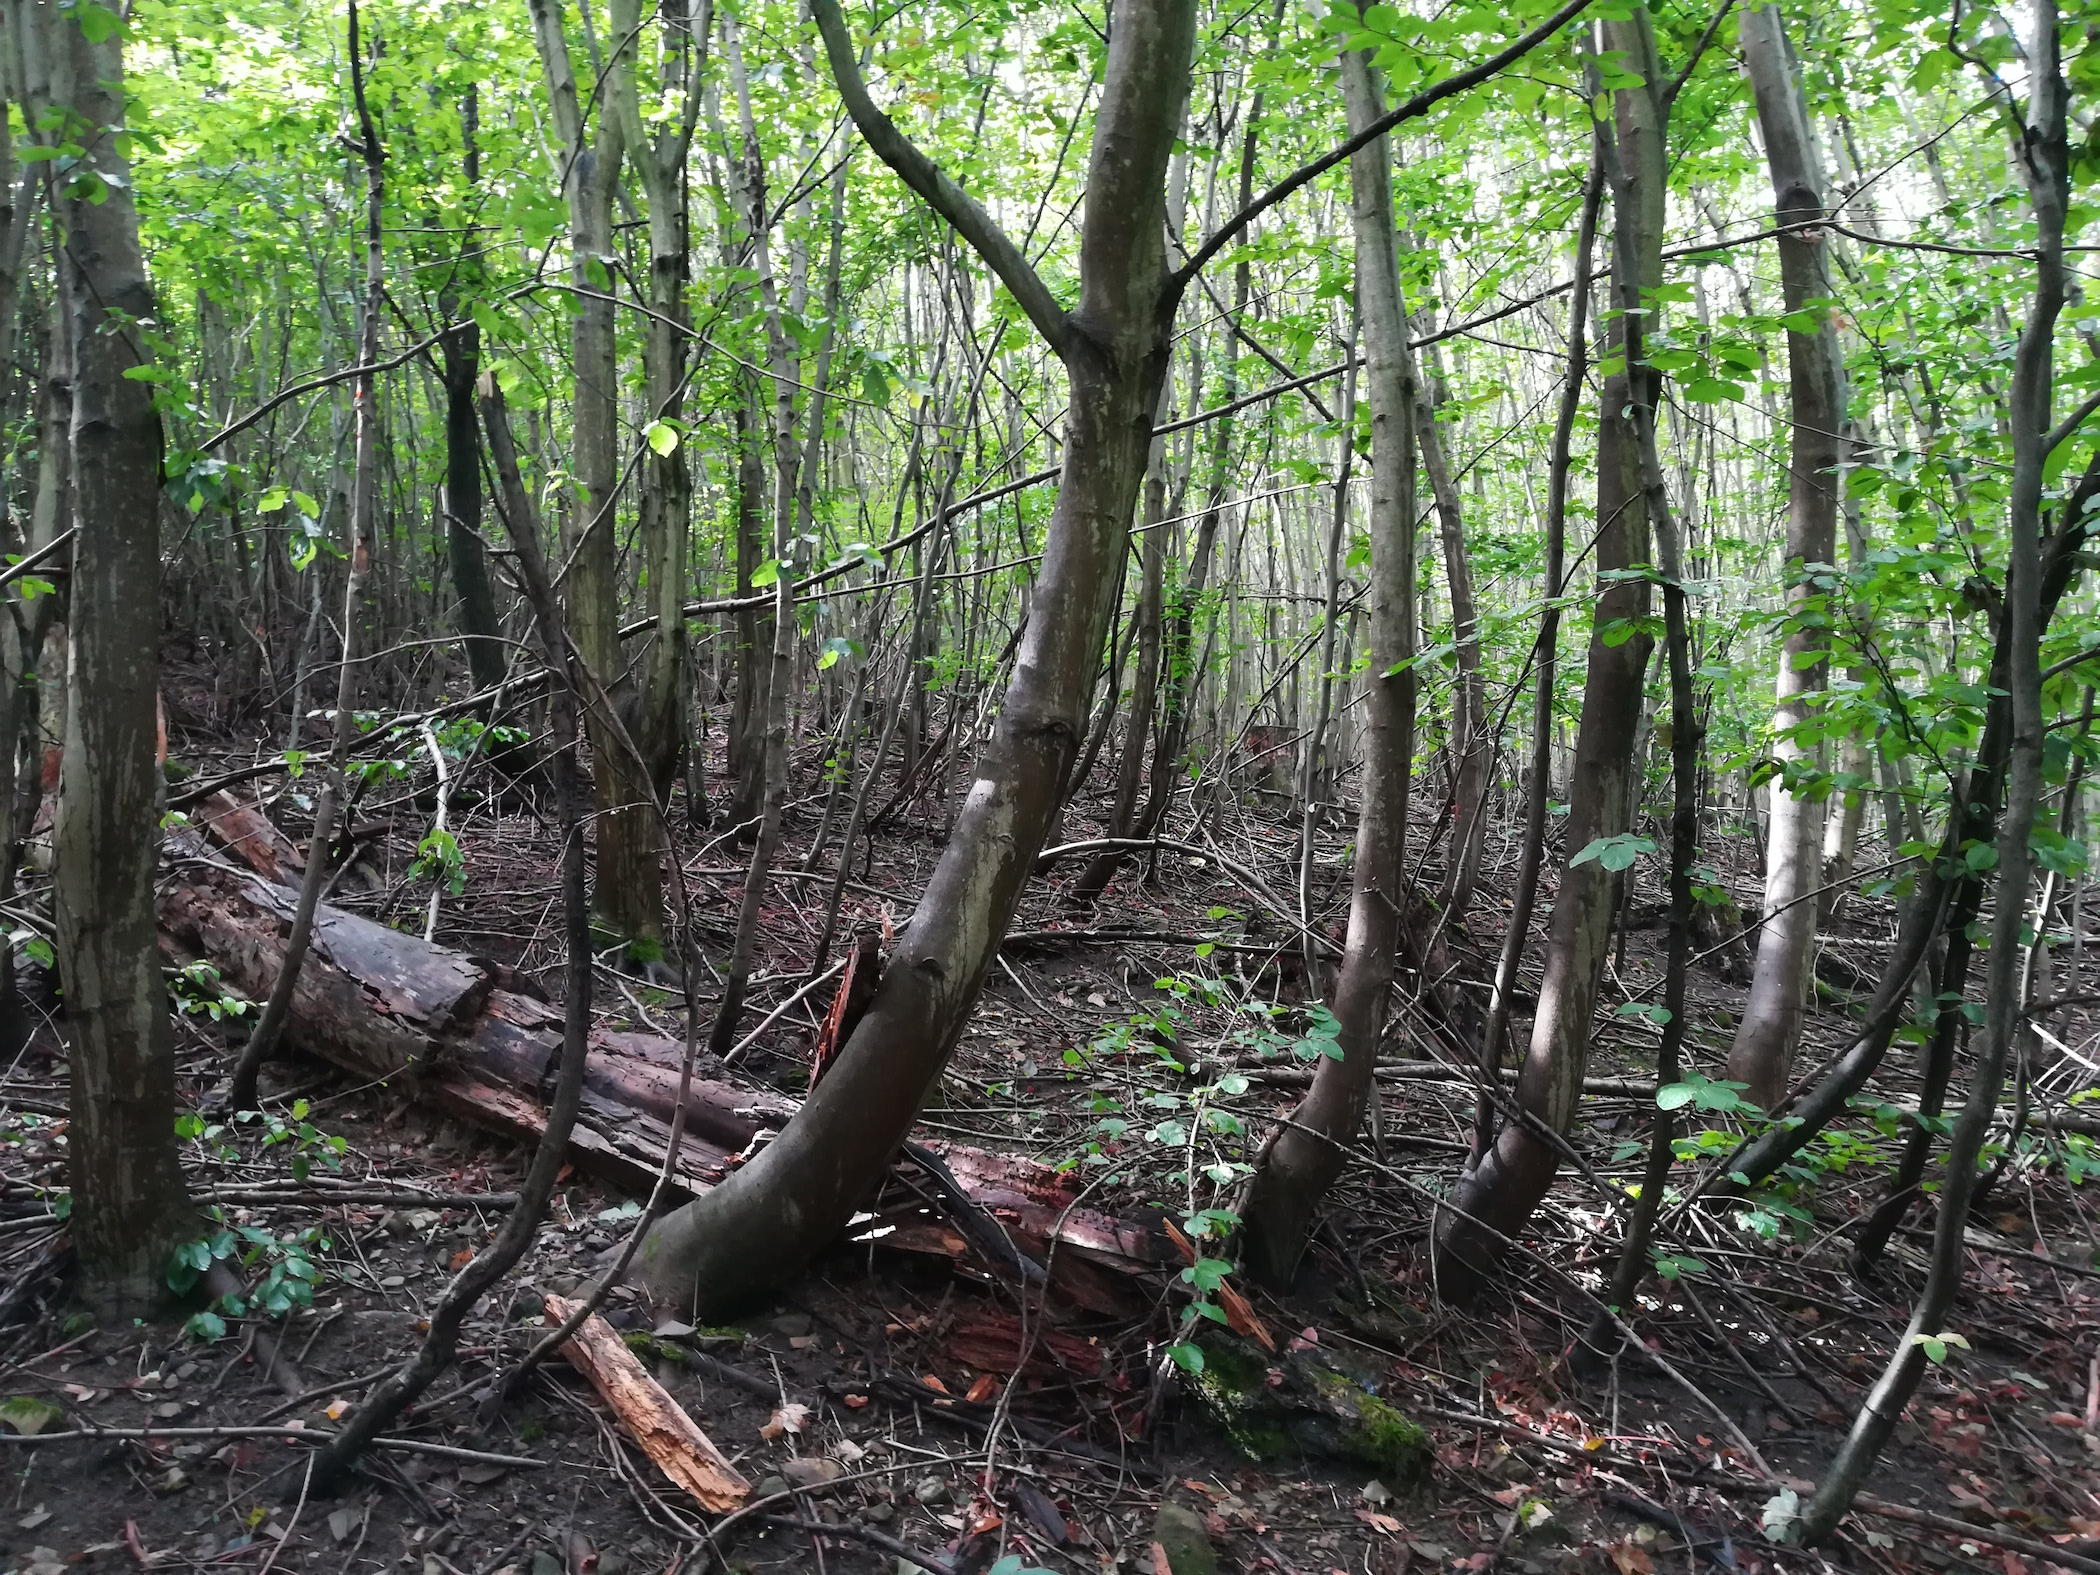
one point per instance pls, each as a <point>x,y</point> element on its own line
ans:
<point>1420,104</point>
<point>926,178</point>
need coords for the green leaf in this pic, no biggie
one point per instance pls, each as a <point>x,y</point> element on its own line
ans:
<point>1675,1096</point>
<point>1187,1355</point>
<point>98,24</point>
<point>662,437</point>
<point>29,1416</point>
<point>1615,853</point>
<point>766,573</point>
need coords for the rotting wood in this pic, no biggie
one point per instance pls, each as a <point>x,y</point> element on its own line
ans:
<point>461,1036</point>
<point>655,1421</point>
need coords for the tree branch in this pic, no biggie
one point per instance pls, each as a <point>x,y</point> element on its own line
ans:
<point>925,177</point>
<point>1420,104</point>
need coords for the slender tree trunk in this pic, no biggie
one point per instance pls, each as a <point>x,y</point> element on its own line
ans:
<point>335,793</point>
<point>2042,154</point>
<point>130,1205</point>
<point>1472,751</point>
<point>1763,1053</point>
<point>627,894</point>
<point>1301,1161</point>
<point>656,718</point>
<point>1685,730</point>
<point>766,1221</point>
<point>465,551</point>
<point>1495,1196</point>
<point>1531,853</point>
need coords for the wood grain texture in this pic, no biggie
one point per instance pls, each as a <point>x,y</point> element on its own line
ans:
<point>652,1418</point>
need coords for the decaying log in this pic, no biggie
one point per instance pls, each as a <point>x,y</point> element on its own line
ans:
<point>652,1418</point>
<point>463,1035</point>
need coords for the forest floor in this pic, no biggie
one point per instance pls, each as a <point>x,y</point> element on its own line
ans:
<point>873,1390</point>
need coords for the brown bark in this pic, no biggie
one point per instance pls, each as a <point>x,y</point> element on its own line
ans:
<point>1496,1194</point>
<point>1301,1161</point>
<point>1763,1053</point>
<point>767,1221</point>
<point>130,1205</point>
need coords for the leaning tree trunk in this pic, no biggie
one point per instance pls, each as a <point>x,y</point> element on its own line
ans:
<point>766,1222</point>
<point>1497,1193</point>
<point>1302,1160</point>
<point>130,1208</point>
<point>1763,1052</point>
<point>2042,154</point>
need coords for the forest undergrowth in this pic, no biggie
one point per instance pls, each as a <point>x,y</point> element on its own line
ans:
<point>910,1403</point>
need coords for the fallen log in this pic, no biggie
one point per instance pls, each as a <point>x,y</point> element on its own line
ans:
<point>463,1035</point>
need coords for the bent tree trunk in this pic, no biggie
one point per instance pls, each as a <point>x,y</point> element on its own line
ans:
<point>130,1208</point>
<point>766,1222</point>
<point>1763,1052</point>
<point>1301,1161</point>
<point>1496,1195</point>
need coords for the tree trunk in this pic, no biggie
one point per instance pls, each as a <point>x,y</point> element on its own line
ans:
<point>1538,789</point>
<point>1763,1053</point>
<point>1471,748</point>
<point>1301,1161</point>
<point>130,1206</point>
<point>465,551</point>
<point>656,715</point>
<point>1496,1195</point>
<point>2041,153</point>
<point>627,893</point>
<point>767,1221</point>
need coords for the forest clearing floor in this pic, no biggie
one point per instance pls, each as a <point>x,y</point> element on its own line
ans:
<point>872,1392</point>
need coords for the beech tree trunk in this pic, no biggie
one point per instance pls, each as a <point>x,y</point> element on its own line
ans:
<point>130,1206</point>
<point>1301,1161</point>
<point>1497,1193</point>
<point>767,1221</point>
<point>1763,1053</point>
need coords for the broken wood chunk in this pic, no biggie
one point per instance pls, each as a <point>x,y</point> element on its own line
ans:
<point>652,1418</point>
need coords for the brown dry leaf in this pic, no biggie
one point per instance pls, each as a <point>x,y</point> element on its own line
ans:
<point>931,1381</point>
<point>790,1418</point>
<point>1378,1522</point>
<point>1241,1318</point>
<point>856,1402</point>
<point>336,1410</point>
<point>1160,1562</point>
<point>1631,1560</point>
<point>982,1390</point>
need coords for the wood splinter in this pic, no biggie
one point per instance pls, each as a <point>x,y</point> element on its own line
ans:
<point>652,1418</point>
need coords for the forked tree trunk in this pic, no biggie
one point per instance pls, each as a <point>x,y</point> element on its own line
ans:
<point>1497,1193</point>
<point>766,1222</point>
<point>130,1207</point>
<point>627,891</point>
<point>1763,1052</point>
<point>1301,1161</point>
